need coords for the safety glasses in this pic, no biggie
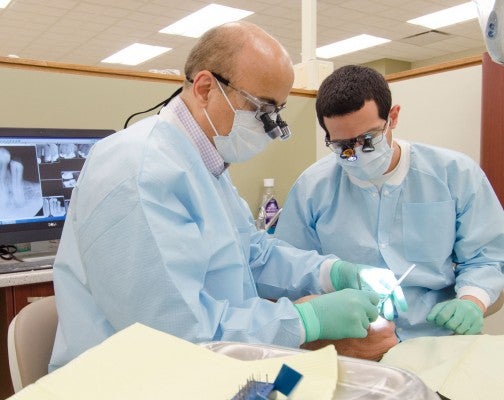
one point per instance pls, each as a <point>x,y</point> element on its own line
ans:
<point>262,107</point>
<point>267,113</point>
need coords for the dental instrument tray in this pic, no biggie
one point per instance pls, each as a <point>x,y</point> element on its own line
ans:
<point>357,379</point>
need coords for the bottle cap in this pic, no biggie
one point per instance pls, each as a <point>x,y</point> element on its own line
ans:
<point>269,182</point>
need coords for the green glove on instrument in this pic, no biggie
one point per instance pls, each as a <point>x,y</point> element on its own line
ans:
<point>344,275</point>
<point>380,280</point>
<point>461,316</point>
<point>337,315</point>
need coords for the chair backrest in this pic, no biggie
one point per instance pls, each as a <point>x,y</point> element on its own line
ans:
<point>496,306</point>
<point>30,341</point>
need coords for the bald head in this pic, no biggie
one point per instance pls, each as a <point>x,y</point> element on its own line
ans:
<point>228,48</point>
<point>250,60</point>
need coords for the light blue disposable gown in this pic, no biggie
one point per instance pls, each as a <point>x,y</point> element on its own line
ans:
<point>153,237</point>
<point>438,210</point>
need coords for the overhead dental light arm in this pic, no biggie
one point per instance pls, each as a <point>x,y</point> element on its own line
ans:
<point>491,18</point>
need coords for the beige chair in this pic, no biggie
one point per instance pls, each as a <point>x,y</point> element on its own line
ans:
<point>493,323</point>
<point>496,306</point>
<point>30,341</point>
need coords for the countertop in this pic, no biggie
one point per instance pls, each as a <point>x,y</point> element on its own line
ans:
<point>36,268</point>
<point>26,277</point>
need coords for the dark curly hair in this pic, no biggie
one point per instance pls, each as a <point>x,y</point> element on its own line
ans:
<point>346,90</point>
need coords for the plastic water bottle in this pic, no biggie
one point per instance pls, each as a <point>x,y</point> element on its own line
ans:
<point>270,205</point>
<point>260,222</point>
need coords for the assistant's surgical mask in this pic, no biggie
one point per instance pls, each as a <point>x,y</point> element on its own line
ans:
<point>368,165</point>
<point>246,138</point>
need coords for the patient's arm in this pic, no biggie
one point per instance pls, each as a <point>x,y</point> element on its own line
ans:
<point>381,337</point>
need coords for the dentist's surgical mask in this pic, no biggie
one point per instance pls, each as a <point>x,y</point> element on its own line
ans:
<point>368,166</point>
<point>246,139</point>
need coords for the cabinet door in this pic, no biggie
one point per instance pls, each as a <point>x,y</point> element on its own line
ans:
<point>12,300</point>
<point>6,315</point>
<point>492,124</point>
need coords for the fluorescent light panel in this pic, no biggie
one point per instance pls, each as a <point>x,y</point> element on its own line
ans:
<point>135,54</point>
<point>197,23</point>
<point>350,45</point>
<point>4,3</point>
<point>448,16</point>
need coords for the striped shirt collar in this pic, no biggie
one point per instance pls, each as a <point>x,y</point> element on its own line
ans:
<point>211,158</point>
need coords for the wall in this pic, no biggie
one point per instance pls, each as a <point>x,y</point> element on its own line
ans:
<point>439,108</point>
<point>443,109</point>
<point>39,99</point>
<point>283,160</point>
<point>67,98</point>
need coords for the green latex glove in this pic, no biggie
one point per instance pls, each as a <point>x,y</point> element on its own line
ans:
<point>337,315</point>
<point>380,280</point>
<point>344,275</point>
<point>461,316</point>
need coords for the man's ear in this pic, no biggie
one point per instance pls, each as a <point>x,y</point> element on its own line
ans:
<point>202,83</point>
<point>394,115</point>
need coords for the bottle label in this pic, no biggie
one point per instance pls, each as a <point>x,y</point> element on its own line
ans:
<point>271,209</point>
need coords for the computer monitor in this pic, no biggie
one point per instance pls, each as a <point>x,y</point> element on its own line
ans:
<point>38,170</point>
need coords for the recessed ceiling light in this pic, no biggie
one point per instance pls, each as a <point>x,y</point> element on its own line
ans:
<point>448,16</point>
<point>349,45</point>
<point>4,3</point>
<point>197,23</point>
<point>135,54</point>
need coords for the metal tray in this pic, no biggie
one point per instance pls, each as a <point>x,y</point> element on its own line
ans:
<point>357,379</point>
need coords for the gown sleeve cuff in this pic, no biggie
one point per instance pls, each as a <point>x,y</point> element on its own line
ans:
<point>474,291</point>
<point>302,333</point>
<point>325,275</point>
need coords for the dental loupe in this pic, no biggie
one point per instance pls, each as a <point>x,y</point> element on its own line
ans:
<point>275,129</point>
<point>348,149</point>
<point>348,153</point>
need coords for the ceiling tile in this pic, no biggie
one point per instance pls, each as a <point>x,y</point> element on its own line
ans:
<point>86,31</point>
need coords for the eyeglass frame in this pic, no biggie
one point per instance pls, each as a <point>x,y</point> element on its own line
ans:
<point>339,146</point>
<point>252,99</point>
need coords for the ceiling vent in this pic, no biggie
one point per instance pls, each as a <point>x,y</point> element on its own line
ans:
<point>424,38</point>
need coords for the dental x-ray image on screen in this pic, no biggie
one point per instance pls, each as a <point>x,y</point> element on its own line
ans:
<point>20,188</point>
<point>38,170</point>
